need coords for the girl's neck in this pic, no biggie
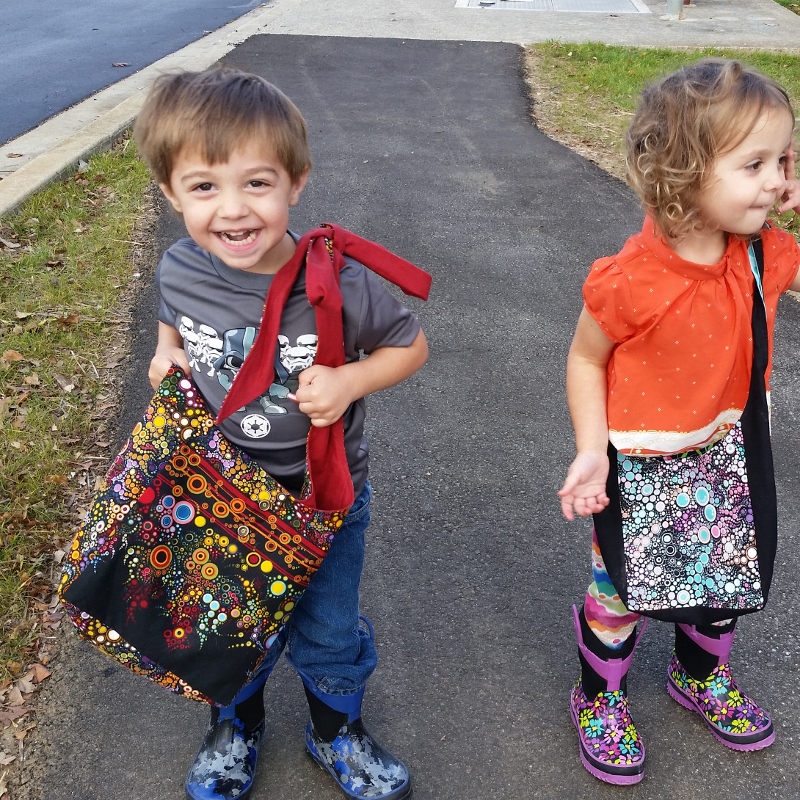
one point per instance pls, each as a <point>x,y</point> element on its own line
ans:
<point>702,247</point>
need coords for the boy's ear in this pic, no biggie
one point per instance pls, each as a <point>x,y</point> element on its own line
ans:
<point>169,194</point>
<point>297,188</point>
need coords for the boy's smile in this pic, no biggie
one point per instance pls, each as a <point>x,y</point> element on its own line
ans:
<point>237,209</point>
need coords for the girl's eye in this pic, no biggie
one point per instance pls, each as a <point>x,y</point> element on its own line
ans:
<point>754,166</point>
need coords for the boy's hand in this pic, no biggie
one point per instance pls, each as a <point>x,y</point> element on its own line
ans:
<point>790,199</point>
<point>324,393</point>
<point>584,490</point>
<point>164,358</point>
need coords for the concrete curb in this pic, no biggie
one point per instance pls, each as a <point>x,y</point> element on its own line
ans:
<point>54,164</point>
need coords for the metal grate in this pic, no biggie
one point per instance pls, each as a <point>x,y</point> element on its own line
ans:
<point>591,6</point>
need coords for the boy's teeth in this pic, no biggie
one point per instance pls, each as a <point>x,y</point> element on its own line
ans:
<point>237,236</point>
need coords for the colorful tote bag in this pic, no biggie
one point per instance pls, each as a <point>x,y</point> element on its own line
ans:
<point>691,537</point>
<point>192,557</point>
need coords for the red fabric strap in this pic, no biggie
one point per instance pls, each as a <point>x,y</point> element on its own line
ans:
<point>331,484</point>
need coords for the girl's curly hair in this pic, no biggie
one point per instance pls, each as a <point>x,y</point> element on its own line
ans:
<point>683,123</point>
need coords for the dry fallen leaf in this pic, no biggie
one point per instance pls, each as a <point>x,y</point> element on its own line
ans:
<point>40,673</point>
<point>7,717</point>
<point>9,245</point>
<point>6,758</point>
<point>23,732</point>
<point>32,380</point>
<point>12,355</point>
<point>23,314</point>
<point>65,383</point>
<point>15,697</point>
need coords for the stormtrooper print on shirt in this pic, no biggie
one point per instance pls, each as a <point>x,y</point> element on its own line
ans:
<point>290,361</point>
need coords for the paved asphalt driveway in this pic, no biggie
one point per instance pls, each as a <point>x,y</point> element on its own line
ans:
<point>428,147</point>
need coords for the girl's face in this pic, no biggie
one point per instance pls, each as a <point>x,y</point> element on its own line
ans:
<point>748,180</point>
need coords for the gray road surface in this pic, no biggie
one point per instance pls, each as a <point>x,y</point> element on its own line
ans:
<point>55,54</point>
<point>428,147</point>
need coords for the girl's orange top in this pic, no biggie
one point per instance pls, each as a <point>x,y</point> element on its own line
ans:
<point>679,376</point>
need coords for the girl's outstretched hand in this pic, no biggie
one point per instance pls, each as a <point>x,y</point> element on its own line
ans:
<point>584,490</point>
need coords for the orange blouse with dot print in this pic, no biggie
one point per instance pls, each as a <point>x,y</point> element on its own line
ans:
<point>679,376</point>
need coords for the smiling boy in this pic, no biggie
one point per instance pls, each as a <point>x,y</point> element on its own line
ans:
<point>229,152</point>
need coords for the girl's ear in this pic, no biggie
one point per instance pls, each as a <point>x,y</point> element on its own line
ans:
<point>170,195</point>
<point>297,187</point>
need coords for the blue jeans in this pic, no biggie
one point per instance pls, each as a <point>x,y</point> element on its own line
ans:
<point>325,639</point>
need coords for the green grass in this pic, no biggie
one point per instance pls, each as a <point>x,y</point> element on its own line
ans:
<point>65,262</point>
<point>585,94</point>
<point>792,5</point>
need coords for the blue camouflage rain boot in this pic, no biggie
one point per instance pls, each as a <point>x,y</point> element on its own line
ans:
<point>338,741</point>
<point>225,765</point>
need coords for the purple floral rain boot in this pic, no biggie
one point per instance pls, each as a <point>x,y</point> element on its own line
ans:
<point>700,680</point>
<point>610,747</point>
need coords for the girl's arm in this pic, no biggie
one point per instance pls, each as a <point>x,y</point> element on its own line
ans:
<point>584,490</point>
<point>324,393</point>
<point>790,199</point>
<point>169,351</point>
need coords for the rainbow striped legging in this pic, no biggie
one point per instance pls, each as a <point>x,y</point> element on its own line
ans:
<point>609,619</point>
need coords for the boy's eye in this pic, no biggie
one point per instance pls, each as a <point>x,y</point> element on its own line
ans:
<point>257,183</point>
<point>204,187</point>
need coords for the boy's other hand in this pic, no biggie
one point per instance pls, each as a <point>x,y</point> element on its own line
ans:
<point>584,490</point>
<point>323,393</point>
<point>164,358</point>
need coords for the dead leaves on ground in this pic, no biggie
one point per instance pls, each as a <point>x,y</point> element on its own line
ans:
<point>17,693</point>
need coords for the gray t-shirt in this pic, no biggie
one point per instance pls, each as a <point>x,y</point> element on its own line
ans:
<point>218,310</point>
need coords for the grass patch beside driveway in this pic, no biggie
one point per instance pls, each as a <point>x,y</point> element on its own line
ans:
<point>65,271</point>
<point>585,94</point>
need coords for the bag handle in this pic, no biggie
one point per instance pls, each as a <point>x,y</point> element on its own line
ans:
<point>755,251</point>
<point>323,252</point>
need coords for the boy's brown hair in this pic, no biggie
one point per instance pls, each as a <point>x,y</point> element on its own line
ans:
<point>213,113</point>
<point>683,123</point>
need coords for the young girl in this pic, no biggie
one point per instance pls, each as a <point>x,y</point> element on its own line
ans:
<point>661,364</point>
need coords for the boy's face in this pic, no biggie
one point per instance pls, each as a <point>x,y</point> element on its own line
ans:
<point>237,209</point>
